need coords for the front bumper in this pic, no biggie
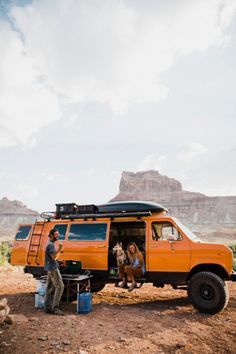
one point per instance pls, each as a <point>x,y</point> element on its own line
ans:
<point>233,276</point>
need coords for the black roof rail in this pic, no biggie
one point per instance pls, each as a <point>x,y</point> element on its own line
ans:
<point>112,209</point>
<point>108,215</point>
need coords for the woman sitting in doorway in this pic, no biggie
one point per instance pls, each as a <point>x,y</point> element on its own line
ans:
<point>135,269</point>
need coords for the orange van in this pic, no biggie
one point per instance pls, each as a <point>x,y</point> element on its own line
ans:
<point>173,254</point>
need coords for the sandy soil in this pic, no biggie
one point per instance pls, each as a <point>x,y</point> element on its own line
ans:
<point>148,320</point>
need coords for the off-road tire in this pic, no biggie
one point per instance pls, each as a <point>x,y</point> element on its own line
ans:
<point>208,292</point>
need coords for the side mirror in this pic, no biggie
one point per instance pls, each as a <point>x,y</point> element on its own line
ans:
<point>171,238</point>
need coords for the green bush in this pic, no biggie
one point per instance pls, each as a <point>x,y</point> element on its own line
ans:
<point>233,248</point>
<point>5,252</point>
<point>234,264</point>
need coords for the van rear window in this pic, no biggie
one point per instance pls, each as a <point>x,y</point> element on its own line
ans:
<point>87,232</point>
<point>23,232</point>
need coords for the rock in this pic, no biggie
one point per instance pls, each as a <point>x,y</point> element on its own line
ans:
<point>19,318</point>
<point>198,211</point>
<point>43,338</point>
<point>83,351</point>
<point>5,344</point>
<point>66,342</point>
<point>147,181</point>
<point>4,311</point>
<point>8,320</point>
<point>13,213</point>
<point>3,303</point>
<point>121,340</point>
<point>34,319</point>
<point>54,343</point>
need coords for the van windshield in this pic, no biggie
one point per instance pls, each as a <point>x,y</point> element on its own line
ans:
<point>189,233</point>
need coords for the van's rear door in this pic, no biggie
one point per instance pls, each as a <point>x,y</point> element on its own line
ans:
<point>21,244</point>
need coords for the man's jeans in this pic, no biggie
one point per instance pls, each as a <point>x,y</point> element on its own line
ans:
<point>54,290</point>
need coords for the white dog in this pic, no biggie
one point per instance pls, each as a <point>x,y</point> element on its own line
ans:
<point>120,254</point>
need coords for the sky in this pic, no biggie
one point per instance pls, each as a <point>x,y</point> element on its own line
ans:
<point>91,88</point>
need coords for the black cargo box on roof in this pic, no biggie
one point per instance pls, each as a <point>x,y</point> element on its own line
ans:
<point>130,206</point>
<point>67,208</point>
<point>87,209</point>
<point>73,208</point>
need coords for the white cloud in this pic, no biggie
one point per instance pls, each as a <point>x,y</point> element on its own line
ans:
<point>26,103</point>
<point>112,52</point>
<point>55,178</point>
<point>25,191</point>
<point>189,152</point>
<point>182,163</point>
<point>152,162</point>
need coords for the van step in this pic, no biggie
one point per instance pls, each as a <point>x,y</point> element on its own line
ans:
<point>138,280</point>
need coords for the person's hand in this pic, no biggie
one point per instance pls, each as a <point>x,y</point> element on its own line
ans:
<point>60,246</point>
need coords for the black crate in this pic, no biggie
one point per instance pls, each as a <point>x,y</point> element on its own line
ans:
<point>87,209</point>
<point>66,209</point>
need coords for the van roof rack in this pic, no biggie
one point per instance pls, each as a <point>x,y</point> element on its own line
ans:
<point>119,209</point>
<point>110,215</point>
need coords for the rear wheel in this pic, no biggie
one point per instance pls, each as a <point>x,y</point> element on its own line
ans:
<point>208,292</point>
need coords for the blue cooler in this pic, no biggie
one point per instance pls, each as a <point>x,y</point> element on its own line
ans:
<point>40,294</point>
<point>84,302</point>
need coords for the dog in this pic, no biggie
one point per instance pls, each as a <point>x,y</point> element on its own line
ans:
<point>120,254</point>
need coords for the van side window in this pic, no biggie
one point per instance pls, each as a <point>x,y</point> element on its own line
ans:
<point>62,231</point>
<point>23,232</point>
<point>165,230</point>
<point>87,232</point>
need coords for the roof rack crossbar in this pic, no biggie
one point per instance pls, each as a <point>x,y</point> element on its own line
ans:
<point>110,215</point>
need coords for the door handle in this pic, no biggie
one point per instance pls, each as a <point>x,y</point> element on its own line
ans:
<point>154,246</point>
<point>101,246</point>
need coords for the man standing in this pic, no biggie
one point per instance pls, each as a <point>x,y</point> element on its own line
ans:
<point>55,286</point>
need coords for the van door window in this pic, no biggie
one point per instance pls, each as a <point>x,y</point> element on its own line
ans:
<point>62,231</point>
<point>23,232</point>
<point>87,232</point>
<point>165,230</point>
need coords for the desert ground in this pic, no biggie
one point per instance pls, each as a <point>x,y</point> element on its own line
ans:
<point>148,320</point>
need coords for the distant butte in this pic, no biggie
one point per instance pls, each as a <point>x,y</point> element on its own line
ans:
<point>200,212</point>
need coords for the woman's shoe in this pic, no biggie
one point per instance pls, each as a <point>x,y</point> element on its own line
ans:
<point>132,287</point>
<point>123,285</point>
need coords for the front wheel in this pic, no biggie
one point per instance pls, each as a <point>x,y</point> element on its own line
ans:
<point>208,292</point>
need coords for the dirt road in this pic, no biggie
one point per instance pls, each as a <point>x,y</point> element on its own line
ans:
<point>148,320</point>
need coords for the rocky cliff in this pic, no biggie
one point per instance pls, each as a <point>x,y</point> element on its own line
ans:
<point>200,212</point>
<point>13,213</point>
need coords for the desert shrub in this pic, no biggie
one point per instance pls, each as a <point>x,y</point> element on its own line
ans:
<point>234,264</point>
<point>5,252</point>
<point>233,248</point>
